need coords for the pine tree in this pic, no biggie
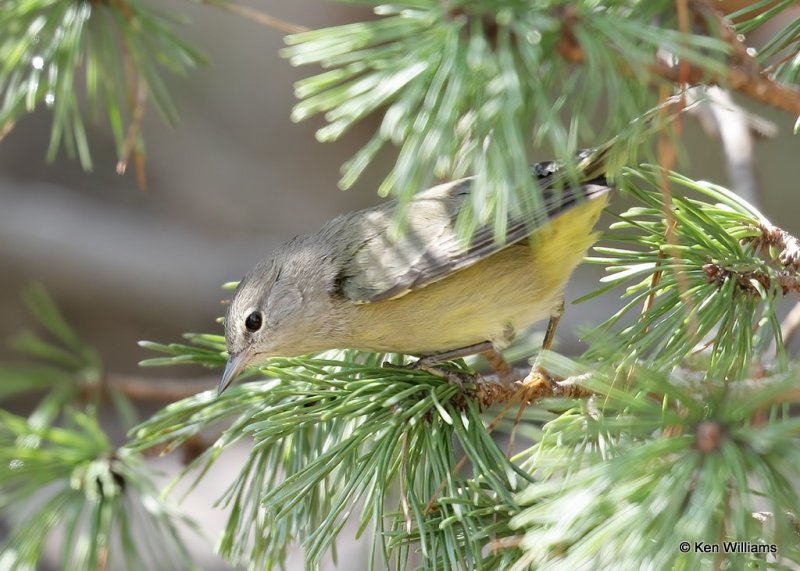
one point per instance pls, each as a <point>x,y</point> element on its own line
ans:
<point>674,426</point>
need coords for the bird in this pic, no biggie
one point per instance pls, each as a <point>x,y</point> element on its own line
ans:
<point>357,283</point>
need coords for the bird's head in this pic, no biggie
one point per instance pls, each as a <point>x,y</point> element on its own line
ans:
<point>280,308</point>
<point>263,308</point>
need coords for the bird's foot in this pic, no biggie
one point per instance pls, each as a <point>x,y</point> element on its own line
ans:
<point>540,381</point>
<point>458,378</point>
<point>433,367</point>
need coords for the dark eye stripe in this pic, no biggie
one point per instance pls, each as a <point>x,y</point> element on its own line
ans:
<point>253,321</point>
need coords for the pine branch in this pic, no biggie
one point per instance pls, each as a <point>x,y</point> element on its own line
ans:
<point>674,426</point>
<point>47,46</point>
<point>257,16</point>
<point>348,422</point>
<point>791,325</point>
<point>158,390</point>
<point>658,461</point>
<point>436,65</point>
<point>100,503</point>
<point>342,430</point>
<point>734,265</point>
<point>746,80</point>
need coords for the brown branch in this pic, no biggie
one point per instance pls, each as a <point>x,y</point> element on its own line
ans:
<point>494,389</point>
<point>771,68</point>
<point>727,32</point>
<point>160,391</point>
<point>137,98</point>
<point>259,17</point>
<point>747,81</point>
<point>682,8</point>
<point>788,245</point>
<point>791,325</point>
<point>513,435</point>
<point>157,390</point>
<point>787,260</point>
<point>789,394</point>
<point>131,137</point>
<point>667,157</point>
<point>715,273</point>
<point>709,435</point>
<point>654,281</point>
<point>5,129</point>
<point>504,543</point>
<point>490,390</point>
<point>756,86</point>
<point>123,7</point>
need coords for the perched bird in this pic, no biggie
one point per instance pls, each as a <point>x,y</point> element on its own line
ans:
<point>354,284</point>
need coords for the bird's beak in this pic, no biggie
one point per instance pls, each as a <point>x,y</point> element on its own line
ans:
<point>236,363</point>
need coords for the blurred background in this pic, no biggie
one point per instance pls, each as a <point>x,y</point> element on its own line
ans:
<point>232,181</point>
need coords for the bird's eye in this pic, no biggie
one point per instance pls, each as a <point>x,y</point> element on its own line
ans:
<point>253,321</point>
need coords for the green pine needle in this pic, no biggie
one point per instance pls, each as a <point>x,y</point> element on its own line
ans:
<point>68,482</point>
<point>328,435</point>
<point>53,53</point>
<point>464,88</point>
<point>716,288</point>
<point>652,461</point>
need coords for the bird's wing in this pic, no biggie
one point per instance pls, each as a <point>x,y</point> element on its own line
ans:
<point>383,267</point>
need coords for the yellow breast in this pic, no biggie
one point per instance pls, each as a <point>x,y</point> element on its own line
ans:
<point>489,301</point>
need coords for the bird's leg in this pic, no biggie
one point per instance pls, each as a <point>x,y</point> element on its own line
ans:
<point>538,374</point>
<point>495,359</point>
<point>552,325</point>
<point>499,364</point>
<point>437,358</point>
<point>430,363</point>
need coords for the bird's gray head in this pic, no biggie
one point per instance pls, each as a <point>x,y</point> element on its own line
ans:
<point>264,299</point>
<point>276,310</point>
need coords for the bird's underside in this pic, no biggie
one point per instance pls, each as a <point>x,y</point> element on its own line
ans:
<point>452,297</point>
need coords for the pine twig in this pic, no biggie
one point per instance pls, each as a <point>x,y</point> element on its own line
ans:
<point>667,157</point>
<point>491,390</point>
<point>259,17</point>
<point>715,273</point>
<point>788,245</point>
<point>746,81</point>
<point>791,325</point>
<point>788,257</point>
<point>157,390</point>
<point>740,56</point>
<point>789,395</point>
<point>133,134</point>
<point>6,129</point>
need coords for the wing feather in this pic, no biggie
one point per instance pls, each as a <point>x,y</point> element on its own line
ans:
<point>381,267</point>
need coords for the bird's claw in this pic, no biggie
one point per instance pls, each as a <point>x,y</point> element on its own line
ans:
<point>538,377</point>
<point>457,378</point>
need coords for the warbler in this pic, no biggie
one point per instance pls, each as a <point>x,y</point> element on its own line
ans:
<point>425,291</point>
